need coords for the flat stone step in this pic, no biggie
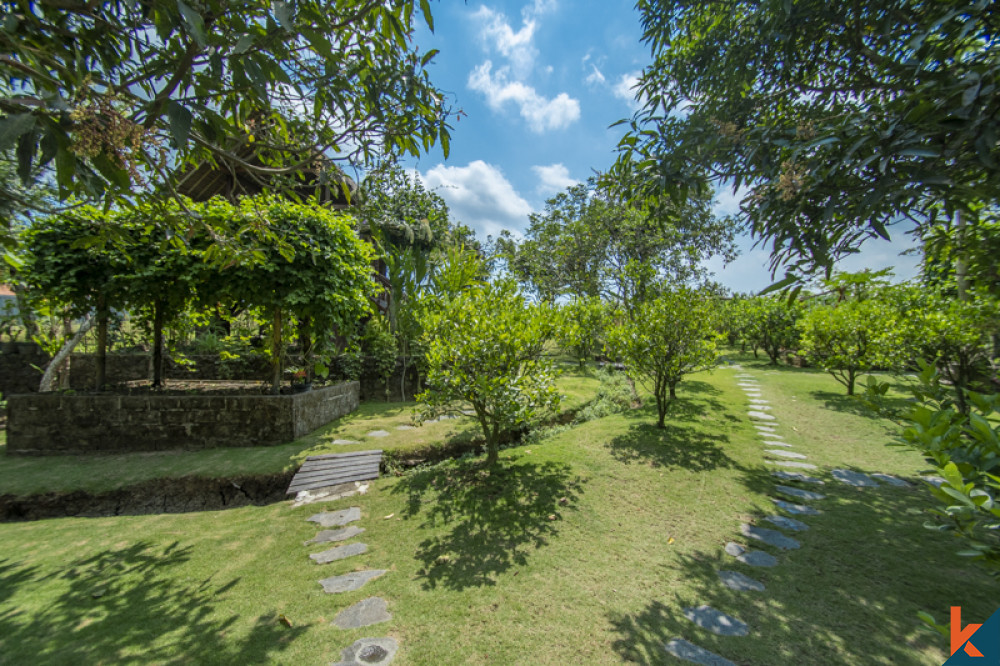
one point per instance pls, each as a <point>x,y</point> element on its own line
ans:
<point>791,463</point>
<point>799,493</point>
<point>345,442</point>
<point>760,416</point>
<point>405,427</point>
<point>772,442</point>
<point>797,476</point>
<point>856,479</point>
<point>754,558</point>
<point>770,537</point>
<point>377,433</point>
<point>786,454</point>
<point>716,621</point>
<point>771,435</point>
<point>330,536</point>
<point>369,651</point>
<point>891,480</point>
<point>786,523</point>
<point>350,582</point>
<point>339,553</point>
<point>734,580</point>
<point>681,649</point>
<point>336,518</point>
<point>764,427</point>
<point>372,610</point>
<point>796,509</point>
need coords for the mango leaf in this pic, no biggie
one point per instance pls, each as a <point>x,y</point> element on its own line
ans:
<point>180,123</point>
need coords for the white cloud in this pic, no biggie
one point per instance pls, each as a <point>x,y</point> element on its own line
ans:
<point>479,196</point>
<point>517,46</point>
<point>595,78</point>
<point>553,178</point>
<point>541,113</point>
<point>624,88</point>
<point>727,202</point>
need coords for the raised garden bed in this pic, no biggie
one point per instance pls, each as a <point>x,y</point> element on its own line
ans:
<point>141,420</point>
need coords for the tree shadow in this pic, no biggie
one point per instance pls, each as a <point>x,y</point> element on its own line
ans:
<point>671,447</point>
<point>848,404</point>
<point>127,606</point>
<point>485,521</point>
<point>849,595</point>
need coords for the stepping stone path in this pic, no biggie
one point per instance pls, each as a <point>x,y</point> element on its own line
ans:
<point>405,427</point>
<point>770,537</point>
<point>372,610</point>
<point>377,433</point>
<point>350,582</point>
<point>755,558</point>
<point>796,476</point>
<point>769,442</point>
<point>785,454</point>
<point>734,580</point>
<point>787,523</point>
<point>764,427</point>
<point>796,509</point>
<point>715,621</point>
<point>891,480</point>
<point>373,651</point>
<point>771,435</point>
<point>681,649</point>
<point>856,479</point>
<point>760,416</point>
<point>336,518</point>
<point>327,536</point>
<point>792,463</point>
<point>339,553</point>
<point>799,493</point>
<point>345,442</point>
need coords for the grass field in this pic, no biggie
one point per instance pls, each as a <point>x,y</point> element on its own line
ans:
<point>583,548</point>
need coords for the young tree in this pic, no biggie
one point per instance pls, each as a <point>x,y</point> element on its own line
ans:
<point>484,348</point>
<point>846,338</point>
<point>772,325</point>
<point>670,337</point>
<point>581,325</point>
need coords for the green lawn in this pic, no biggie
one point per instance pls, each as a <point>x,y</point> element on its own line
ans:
<point>21,475</point>
<point>583,548</point>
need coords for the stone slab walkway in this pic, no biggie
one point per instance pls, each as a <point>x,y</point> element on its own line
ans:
<point>716,621</point>
<point>351,581</point>
<point>339,553</point>
<point>681,649</point>
<point>367,612</point>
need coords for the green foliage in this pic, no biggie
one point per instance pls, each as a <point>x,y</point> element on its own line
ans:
<point>590,242</point>
<point>484,349</point>
<point>834,136</point>
<point>847,338</point>
<point>771,324</point>
<point>973,248</point>
<point>581,324</point>
<point>379,346</point>
<point>301,80</point>
<point>614,395</point>
<point>965,447</point>
<point>669,337</point>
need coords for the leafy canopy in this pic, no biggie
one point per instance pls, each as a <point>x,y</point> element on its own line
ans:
<point>112,94</point>
<point>838,116</point>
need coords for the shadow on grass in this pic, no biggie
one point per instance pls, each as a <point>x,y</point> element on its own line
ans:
<point>848,596</point>
<point>486,522</point>
<point>852,404</point>
<point>127,606</point>
<point>681,444</point>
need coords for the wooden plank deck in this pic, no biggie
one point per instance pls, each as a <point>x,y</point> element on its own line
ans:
<point>333,469</point>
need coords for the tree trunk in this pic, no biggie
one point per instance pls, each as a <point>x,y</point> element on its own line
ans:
<point>305,342</point>
<point>157,343</point>
<point>673,391</point>
<point>850,382</point>
<point>102,345</point>
<point>276,352</point>
<point>63,355</point>
<point>961,269</point>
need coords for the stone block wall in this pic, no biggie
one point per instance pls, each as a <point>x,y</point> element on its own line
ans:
<point>19,363</point>
<point>58,423</point>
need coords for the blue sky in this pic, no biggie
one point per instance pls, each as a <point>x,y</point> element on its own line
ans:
<point>539,82</point>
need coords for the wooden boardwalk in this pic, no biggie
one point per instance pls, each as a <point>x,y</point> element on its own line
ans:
<point>334,469</point>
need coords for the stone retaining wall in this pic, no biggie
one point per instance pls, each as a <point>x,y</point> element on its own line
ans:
<point>120,368</point>
<point>58,423</point>
<point>19,363</point>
